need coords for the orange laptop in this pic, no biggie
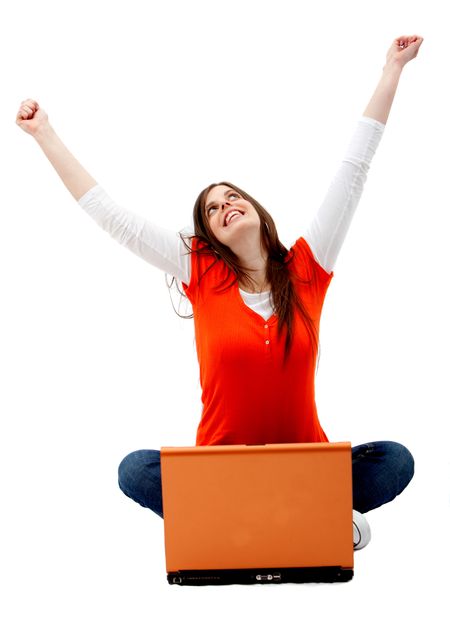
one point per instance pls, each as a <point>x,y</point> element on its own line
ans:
<point>279,513</point>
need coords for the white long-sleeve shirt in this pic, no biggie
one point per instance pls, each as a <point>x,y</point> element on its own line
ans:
<point>325,235</point>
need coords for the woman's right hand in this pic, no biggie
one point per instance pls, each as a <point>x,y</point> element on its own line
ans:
<point>30,117</point>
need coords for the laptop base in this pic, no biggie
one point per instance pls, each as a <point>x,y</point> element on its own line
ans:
<point>261,576</point>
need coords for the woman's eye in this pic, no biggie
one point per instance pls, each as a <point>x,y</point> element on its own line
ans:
<point>231,195</point>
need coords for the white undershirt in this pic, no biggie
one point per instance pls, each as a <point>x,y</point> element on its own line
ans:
<point>259,302</point>
<point>325,234</point>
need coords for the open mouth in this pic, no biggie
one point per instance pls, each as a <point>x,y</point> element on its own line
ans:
<point>233,214</point>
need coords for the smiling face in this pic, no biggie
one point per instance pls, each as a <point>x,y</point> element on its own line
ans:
<point>230,216</point>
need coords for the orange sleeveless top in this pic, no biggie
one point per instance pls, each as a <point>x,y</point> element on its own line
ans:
<point>248,396</point>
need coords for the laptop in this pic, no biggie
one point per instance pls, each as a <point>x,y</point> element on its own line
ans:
<point>276,513</point>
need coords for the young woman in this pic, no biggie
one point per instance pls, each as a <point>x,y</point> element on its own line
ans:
<point>255,304</point>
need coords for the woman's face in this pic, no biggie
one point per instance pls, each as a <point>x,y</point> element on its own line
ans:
<point>230,216</point>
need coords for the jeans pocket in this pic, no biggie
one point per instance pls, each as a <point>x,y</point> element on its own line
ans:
<point>370,447</point>
<point>363,450</point>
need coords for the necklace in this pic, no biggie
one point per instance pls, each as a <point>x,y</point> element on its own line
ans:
<point>252,291</point>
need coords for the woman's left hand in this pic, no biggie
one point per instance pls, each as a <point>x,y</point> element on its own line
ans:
<point>404,49</point>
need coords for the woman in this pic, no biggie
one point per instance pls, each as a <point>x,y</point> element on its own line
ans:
<point>256,304</point>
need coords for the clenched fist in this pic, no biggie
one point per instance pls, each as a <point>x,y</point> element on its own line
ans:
<point>404,49</point>
<point>30,117</point>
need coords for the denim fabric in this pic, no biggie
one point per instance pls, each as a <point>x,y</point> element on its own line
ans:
<point>381,470</point>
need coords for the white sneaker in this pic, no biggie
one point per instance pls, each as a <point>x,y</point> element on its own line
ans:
<point>361,531</point>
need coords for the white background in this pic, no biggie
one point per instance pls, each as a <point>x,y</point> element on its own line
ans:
<point>157,100</point>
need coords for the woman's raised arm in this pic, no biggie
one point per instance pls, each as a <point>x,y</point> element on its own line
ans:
<point>402,50</point>
<point>157,245</point>
<point>328,229</point>
<point>33,120</point>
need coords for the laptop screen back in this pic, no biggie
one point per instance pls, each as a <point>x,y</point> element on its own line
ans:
<point>278,505</point>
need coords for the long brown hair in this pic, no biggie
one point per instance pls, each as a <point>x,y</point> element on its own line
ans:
<point>284,296</point>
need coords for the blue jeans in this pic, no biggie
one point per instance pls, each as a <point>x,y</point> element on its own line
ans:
<point>381,470</point>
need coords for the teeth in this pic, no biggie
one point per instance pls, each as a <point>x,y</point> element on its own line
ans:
<point>230,216</point>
